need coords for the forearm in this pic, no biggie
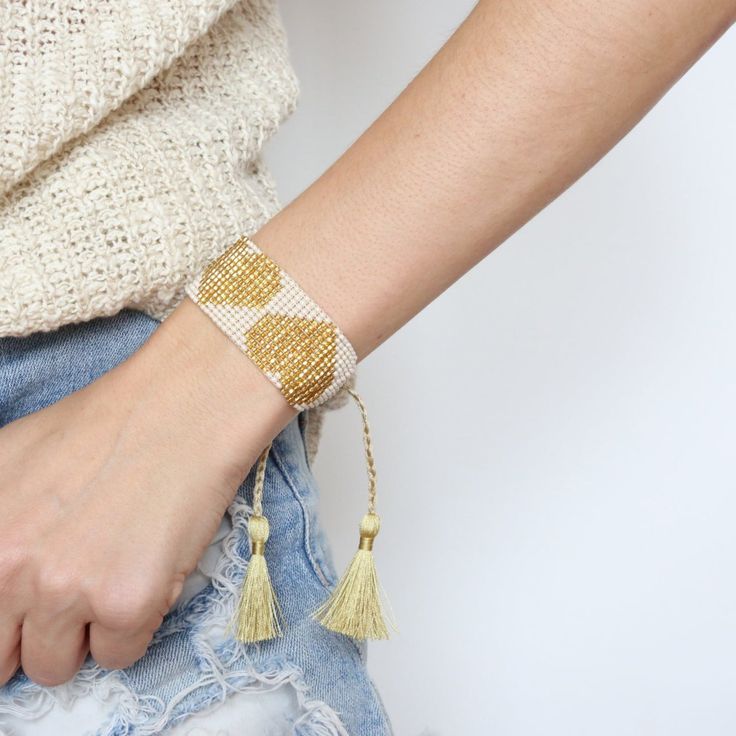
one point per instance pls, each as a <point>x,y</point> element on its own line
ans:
<point>517,105</point>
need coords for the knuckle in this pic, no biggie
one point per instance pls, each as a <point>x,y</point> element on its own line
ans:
<point>57,586</point>
<point>123,609</point>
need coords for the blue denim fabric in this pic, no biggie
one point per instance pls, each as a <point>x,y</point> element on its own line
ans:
<point>193,663</point>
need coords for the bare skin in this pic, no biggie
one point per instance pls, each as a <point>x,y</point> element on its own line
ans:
<point>111,495</point>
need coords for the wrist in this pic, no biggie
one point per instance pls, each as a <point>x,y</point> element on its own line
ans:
<point>268,316</point>
<point>220,390</point>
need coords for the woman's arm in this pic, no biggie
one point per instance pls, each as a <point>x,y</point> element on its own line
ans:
<point>111,495</point>
<point>517,105</point>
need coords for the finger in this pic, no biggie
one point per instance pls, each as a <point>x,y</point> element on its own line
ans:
<point>10,630</point>
<point>52,650</point>
<point>115,649</point>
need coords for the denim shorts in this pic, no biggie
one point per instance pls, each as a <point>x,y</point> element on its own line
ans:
<point>195,679</point>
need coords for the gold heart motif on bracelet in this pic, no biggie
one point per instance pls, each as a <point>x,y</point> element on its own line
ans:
<point>299,352</point>
<point>241,279</point>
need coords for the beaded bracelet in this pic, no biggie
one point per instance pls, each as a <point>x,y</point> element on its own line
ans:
<point>304,353</point>
<point>275,323</point>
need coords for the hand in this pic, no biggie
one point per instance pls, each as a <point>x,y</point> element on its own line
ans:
<point>111,495</point>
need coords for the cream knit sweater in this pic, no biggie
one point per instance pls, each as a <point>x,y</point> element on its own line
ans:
<point>130,156</point>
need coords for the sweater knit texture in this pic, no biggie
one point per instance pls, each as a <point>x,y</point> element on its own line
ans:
<point>131,152</point>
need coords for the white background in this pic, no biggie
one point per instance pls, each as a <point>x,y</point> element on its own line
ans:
<point>556,434</point>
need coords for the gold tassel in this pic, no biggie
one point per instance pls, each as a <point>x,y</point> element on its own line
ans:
<point>258,614</point>
<point>354,608</point>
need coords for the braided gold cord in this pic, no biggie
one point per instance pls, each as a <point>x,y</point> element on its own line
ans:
<point>368,445</point>
<point>259,482</point>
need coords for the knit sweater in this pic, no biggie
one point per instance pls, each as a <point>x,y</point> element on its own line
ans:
<point>131,151</point>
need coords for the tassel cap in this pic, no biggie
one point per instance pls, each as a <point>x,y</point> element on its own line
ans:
<point>258,531</point>
<point>370,525</point>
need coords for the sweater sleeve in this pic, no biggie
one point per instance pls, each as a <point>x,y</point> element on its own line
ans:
<point>65,64</point>
<point>128,212</point>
